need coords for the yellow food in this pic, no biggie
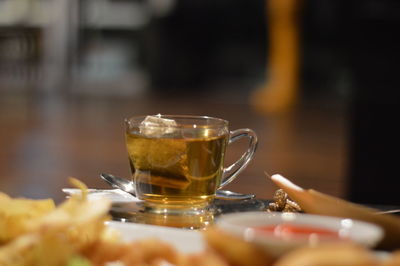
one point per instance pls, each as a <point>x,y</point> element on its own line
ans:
<point>392,260</point>
<point>236,251</point>
<point>56,236</point>
<point>72,234</point>
<point>16,215</point>
<point>143,252</point>
<point>338,254</point>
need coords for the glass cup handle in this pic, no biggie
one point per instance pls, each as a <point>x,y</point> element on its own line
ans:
<point>232,171</point>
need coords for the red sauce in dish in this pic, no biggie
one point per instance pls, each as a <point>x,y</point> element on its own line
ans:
<point>289,230</point>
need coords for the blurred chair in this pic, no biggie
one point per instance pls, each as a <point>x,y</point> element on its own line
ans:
<point>75,46</point>
<point>20,46</point>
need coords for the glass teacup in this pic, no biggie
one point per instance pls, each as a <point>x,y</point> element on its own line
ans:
<point>177,160</point>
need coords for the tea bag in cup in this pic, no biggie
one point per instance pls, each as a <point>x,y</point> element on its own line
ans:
<point>157,149</point>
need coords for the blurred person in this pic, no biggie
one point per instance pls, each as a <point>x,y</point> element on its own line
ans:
<point>280,92</point>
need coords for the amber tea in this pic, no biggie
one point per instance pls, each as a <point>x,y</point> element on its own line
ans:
<point>176,170</point>
<point>177,160</point>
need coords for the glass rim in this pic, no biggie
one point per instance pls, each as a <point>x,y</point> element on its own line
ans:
<point>215,121</point>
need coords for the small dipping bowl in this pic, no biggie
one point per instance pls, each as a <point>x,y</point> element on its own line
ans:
<point>279,232</point>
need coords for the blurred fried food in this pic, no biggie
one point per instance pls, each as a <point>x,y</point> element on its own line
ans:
<point>75,234</point>
<point>234,250</point>
<point>333,254</point>
<point>142,252</point>
<point>206,258</point>
<point>58,235</point>
<point>16,214</point>
<point>392,260</point>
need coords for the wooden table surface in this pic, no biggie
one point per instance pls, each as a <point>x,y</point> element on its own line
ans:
<point>44,140</point>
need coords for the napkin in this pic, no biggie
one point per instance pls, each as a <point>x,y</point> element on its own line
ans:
<point>114,195</point>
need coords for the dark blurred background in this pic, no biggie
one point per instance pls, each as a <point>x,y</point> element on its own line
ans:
<point>71,70</point>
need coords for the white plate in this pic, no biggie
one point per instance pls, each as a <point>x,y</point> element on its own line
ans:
<point>186,241</point>
<point>114,195</point>
<point>242,225</point>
